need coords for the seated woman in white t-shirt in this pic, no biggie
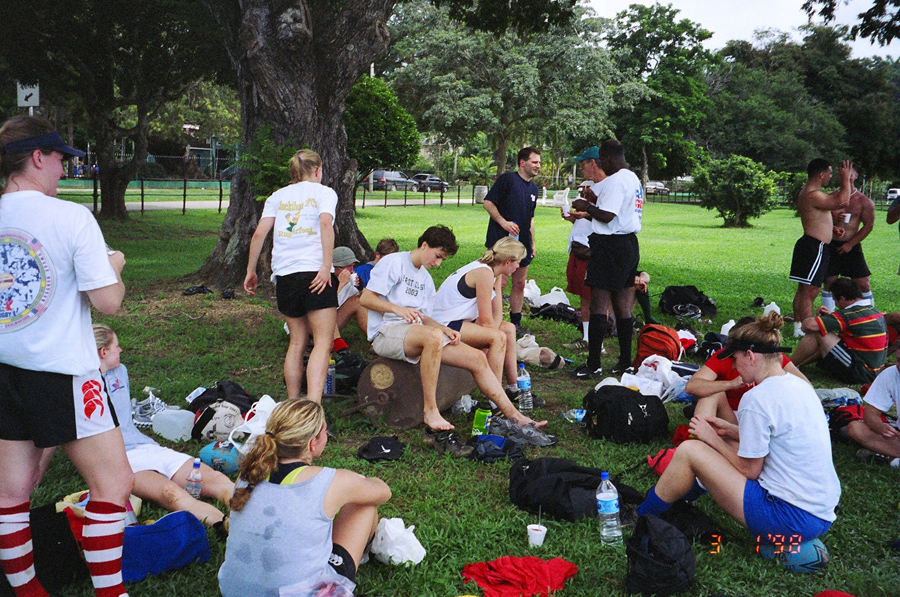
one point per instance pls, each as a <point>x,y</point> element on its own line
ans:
<point>470,301</point>
<point>780,479</point>
<point>159,473</point>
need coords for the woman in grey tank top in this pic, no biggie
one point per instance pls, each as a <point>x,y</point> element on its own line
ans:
<point>296,525</point>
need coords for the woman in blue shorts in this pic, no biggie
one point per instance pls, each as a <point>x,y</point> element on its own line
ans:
<point>780,480</point>
<point>302,216</point>
<point>296,527</point>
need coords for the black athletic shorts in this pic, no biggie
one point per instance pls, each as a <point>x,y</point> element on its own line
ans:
<point>51,409</point>
<point>851,264</point>
<point>342,562</point>
<point>295,299</point>
<point>810,261</point>
<point>614,261</point>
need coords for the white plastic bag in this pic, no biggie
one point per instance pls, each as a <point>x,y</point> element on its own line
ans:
<point>658,368</point>
<point>555,296</point>
<point>532,292</point>
<point>644,385</point>
<point>252,427</point>
<point>527,350</point>
<point>396,544</point>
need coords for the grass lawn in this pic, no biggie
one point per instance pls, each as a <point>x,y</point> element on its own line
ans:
<point>461,509</point>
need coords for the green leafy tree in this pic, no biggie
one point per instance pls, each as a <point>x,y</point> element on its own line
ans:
<point>880,22</point>
<point>736,187</point>
<point>211,106</point>
<point>118,61</point>
<point>514,88</point>
<point>379,131</point>
<point>668,55</point>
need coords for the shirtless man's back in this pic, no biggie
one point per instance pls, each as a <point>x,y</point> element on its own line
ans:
<point>810,260</point>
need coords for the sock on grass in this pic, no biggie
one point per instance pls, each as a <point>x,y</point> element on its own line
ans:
<point>104,527</point>
<point>16,555</point>
<point>515,318</point>
<point>339,344</point>
<point>599,325</point>
<point>828,300</point>
<point>584,326</point>
<point>653,505</point>
<point>868,296</point>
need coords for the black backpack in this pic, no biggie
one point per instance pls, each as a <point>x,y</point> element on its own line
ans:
<point>561,488</point>
<point>558,312</point>
<point>660,559</point>
<point>624,415</point>
<point>686,295</point>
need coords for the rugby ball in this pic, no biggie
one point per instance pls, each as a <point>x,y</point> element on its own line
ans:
<point>221,456</point>
<point>806,556</point>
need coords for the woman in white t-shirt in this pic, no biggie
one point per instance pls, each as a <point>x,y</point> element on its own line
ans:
<point>470,301</point>
<point>302,216</point>
<point>780,480</point>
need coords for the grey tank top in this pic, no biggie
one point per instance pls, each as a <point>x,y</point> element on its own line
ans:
<point>281,537</point>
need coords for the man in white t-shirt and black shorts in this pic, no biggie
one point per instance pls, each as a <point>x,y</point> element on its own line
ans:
<point>615,206</point>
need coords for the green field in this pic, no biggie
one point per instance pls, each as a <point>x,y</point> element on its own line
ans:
<point>461,509</point>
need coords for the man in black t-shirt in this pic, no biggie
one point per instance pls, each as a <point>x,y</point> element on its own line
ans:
<point>510,203</point>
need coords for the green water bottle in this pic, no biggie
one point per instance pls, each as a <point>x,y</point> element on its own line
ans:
<point>482,422</point>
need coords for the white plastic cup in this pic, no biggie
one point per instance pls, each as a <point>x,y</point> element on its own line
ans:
<point>846,218</point>
<point>536,534</point>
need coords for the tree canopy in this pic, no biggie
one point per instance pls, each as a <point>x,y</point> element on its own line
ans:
<point>880,23</point>
<point>116,62</point>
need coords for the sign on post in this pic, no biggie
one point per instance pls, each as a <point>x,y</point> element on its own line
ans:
<point>28,95</point>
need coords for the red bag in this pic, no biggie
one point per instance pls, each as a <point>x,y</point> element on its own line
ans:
<point>657,339</point>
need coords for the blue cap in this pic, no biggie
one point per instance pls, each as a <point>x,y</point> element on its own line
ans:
<point>604,476</point>
<point>50,140</point>
<point>591,153</point>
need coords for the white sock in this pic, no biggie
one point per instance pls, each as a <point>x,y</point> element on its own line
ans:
<point>797,331</point>
<point>869,297</point>
<point>828,300</point>
<point>584,326</point>
<point>895,463</point>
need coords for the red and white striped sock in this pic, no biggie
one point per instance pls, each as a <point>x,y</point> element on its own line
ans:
<point>104,525</point>
<point>16,554</point>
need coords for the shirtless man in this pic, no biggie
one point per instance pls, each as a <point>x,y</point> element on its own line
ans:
<point>810,260</point>
<point>846,257</point>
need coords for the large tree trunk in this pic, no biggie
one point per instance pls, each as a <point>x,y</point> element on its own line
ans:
<point>645,168</point>
<point>295,62</point>
<point>500,153</point>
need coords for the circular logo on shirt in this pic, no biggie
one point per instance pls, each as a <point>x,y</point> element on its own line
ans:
<point>26,280</point>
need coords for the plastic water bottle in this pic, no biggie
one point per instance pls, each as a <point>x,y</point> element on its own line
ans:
<point>526,402</point>
<point>482,422</point>
<point>574,415</point>
<point>194,480</point>
<point>608,511</point>
<point>329,378</point>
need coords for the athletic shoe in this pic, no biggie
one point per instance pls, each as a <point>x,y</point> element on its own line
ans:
<point>524,434</point>
<point>142,412</point>
<point>621,368</point>
<point>870,456</point>
<point>580,345</point>
<point>447,441</point>
<point>584,373</point>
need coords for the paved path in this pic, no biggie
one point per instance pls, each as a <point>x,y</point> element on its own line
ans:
<point>371,202</point>
<point>174,205</point>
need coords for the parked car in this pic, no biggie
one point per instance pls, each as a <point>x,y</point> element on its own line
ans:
<point>893,194</point>
<point>430,182</point>
<point>656,188</point>
<point>392,180</point>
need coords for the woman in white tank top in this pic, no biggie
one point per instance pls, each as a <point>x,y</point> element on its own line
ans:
<point>471,302</point>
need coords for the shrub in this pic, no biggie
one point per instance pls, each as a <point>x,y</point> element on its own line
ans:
<point>736,187</point>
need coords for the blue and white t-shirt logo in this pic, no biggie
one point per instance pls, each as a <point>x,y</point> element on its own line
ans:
<point>26,279</point>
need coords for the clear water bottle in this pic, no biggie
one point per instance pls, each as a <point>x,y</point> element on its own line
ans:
<point>574,415</point>
<point>608,511</point>
<point>329,378</point>
<point>526,402</point>
<point>194,480</point>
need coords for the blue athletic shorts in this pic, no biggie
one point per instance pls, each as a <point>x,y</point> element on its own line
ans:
<point>769,517</point>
